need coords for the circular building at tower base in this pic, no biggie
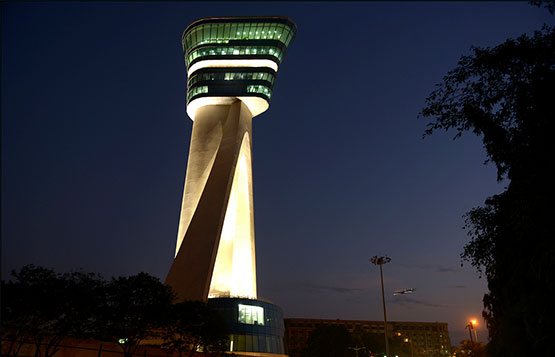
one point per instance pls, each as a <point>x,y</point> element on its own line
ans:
<point>255,327</point>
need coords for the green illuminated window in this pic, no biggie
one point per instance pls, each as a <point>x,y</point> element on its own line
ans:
<point>260,89</point>
<point>195,91</point>
<point>231,76</point>
<point>222,33</point>
<point>234,51</point>
<point>250,314</point>
<point>230,39</point>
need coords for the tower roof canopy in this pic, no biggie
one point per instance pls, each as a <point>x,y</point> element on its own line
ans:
<point>284,20</point>
<point>215,38</point>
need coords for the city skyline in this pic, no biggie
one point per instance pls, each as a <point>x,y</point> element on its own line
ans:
<point>93,122</point>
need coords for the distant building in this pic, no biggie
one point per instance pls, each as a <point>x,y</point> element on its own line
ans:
<point>428,339</point>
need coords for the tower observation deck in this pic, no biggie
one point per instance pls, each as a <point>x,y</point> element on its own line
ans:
<point>232,63</point>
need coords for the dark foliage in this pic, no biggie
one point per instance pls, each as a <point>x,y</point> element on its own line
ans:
<point>337,341</point>
<point>194,326</point>
<point>374,343</point>
<point>506,95</point>
<point>328,341</point>
<point>134,308</point>
<point>548,4</point>
<point>42,307</point>
<point>470,348</point>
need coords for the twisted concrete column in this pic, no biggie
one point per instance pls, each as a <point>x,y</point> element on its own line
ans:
<point>215,252</point>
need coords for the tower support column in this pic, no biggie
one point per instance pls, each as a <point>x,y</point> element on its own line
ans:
<point>218,173</point>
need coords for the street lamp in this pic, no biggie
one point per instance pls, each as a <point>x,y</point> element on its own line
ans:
<point>407,340</point>
<point>381,261</point>
<point>469,327</point>
<point>473,323</point>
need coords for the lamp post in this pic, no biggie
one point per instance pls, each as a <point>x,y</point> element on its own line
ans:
<point>469,327</point>
<point>473,323</point>
<point>381,261</point>
<point>408,340</point>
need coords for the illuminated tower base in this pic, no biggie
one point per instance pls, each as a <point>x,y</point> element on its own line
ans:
<point>256,327</point>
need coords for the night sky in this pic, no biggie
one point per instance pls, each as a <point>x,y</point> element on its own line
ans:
<point>95,141</point>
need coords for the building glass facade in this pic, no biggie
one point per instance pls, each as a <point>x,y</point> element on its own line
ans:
<point>231,82</point>
<point>254,325</point>
<point>221,31</point>
<point>235,57</point>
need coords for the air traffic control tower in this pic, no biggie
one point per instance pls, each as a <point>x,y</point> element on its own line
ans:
<point>232,63</point>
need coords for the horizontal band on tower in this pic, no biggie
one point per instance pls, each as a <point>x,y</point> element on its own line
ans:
<point>232,82</point>
<point>256,103</point>
<point>229,62</point>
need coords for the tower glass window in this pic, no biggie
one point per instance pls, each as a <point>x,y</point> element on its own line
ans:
<point>250,314</point>
<point>218,43</point>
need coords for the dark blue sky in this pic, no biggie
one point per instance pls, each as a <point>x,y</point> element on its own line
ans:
<point>95,141</point>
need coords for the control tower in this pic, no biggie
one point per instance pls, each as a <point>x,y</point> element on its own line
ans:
<point>232,63</point>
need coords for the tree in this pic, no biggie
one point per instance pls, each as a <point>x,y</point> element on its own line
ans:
<point>505,95</point>
<point>374,343</point>
<point>548,4</point>
<point>193,326</point>
<point>42,306</point>
<point>328,341</point>
<point>134,308</point>
<point>470,349</point>
<point>28,307</point>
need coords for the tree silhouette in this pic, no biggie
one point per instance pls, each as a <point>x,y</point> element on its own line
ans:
<point>328,341</point>
<point>470,349</point>
<point>42,306</point>
<point>135,308</point>
<point>193,326</point>
<point>505,95</point>
<point>548,4</point>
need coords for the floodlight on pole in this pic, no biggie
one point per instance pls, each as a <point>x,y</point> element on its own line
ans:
<point>381,261</point>
<point>469,327</point>
<point>473,323</point>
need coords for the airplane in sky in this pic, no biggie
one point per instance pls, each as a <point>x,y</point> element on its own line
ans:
<point>404,291</point>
